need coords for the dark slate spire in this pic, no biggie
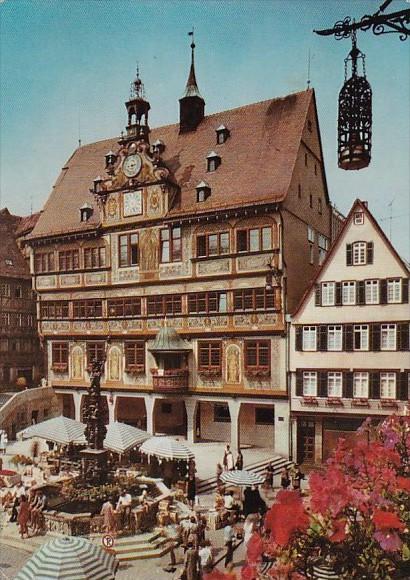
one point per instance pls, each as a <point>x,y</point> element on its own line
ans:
<point>191,104</point>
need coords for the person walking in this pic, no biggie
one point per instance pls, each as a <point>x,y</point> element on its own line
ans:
<point>229,534</point>
<point>23,516</point>
<point>191,491</point>
<point>191,562</point>
<point>230,463</point>
<point>206,558</point>
<point>269,476</point>
<point>219,472</point>
<point>284,478</point>
<point>107,510</point>
<point>239,461</point>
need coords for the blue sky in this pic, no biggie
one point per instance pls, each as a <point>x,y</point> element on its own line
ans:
<point>67,64</point>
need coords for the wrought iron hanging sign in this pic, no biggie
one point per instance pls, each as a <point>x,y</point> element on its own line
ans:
<point>355,114</point>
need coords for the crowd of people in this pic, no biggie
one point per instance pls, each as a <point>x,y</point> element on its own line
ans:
<point>26,506</point>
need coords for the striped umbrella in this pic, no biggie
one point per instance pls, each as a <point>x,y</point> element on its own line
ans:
<point>59,429</point>
<point>242,478</point>
<point>166,448</point>
<point>69,558</point>
<point>122,437</point>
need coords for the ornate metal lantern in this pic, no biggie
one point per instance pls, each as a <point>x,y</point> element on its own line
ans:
<point>355,115</point>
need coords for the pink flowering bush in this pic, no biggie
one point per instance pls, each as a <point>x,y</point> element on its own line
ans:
<point>356,519</point>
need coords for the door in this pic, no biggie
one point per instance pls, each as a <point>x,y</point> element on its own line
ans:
<point>306,441</point>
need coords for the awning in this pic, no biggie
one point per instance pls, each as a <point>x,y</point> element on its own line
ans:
<point>69,558</point>
<point>58,429</point>
<point>122,437</point>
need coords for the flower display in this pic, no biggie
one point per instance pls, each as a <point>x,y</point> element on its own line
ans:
<point>356,519</point>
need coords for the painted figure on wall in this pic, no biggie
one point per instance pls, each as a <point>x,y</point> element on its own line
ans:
<point>149,251</point>
<point>77,363</point>
<point>233,365</point>
<point>114,364</point>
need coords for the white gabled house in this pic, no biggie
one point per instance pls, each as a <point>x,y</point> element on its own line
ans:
<point>349,340</point>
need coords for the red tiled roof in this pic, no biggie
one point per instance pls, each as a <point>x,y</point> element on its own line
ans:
<point>257,163</point>
<point>27,224</point>
<point>12,262</point>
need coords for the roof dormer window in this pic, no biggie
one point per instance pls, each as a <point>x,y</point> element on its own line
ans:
<point>222,134</point>
<point>213,161</point>
<point>203,191</point>
<point>86,211</point>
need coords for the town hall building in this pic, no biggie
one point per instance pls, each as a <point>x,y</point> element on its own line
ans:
<point>174,254</point>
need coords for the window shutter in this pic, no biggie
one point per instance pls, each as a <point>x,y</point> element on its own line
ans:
<point>318,297</point>
<point>383,291</point>
<point>348,337</point>
<point>403,387</point>
<point>374,389</point>
<point>375,337</point>
<point>403,336</point>
<point>299,383</point>
<point>349,255</point>
<point>369,252</point>
<point>348,385</point>
<point>338,294</point>
<point>322,338</point>
<point>299,338</point>
<point>405,290</point>
<point>360,292</point>
<point>322,384</point>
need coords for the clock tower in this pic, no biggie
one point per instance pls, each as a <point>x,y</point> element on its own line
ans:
<point>137,109</point>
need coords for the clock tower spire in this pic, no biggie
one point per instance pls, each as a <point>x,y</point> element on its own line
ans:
<point>137,109</point>
<point>191,104</point>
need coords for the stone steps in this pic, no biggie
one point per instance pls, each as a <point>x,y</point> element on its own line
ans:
<point>140,546</point>
<point>209,485</point>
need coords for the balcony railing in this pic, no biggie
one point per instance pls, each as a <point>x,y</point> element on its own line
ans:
<point>170,381</point>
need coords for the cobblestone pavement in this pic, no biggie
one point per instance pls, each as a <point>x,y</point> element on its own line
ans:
<point>12,560</point>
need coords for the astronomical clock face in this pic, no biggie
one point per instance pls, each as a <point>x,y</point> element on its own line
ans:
<point>132,165</point>
<point>132,202</point>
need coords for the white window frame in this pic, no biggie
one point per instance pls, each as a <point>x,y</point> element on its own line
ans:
<point>334,337</point>
<point>309,340</point>
<point>372,291</point>
<point>328,293</point>
<point>394,291</point>
<point>309,384</point>
<point>348,293</point>
<point>359,253</point>
<point>358,218</point>
<point>311,234</point>
<point>363,331</point>
<point>388,337</point>
<point>334,384</point>
<point>311,253</point>
<point>360,385</point>
<point>388,385</point>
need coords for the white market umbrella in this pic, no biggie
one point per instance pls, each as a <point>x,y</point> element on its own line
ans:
<point>242,478</point>
<point>69,558</point>
<point>166,448</point>
<point>122,437</point>
<point>59,429</point>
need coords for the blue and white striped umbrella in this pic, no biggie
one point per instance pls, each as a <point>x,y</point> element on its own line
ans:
<point>122,437</point>
<point>69,558</point>
<point>242,478</point>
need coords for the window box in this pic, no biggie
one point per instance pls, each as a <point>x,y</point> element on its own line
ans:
<point>210,373</point>
<point>257,373</point>
<point>388,404</point>
<point>135,369</point>
<point>334,402</point>
<point>59,367</point>
<point>310,401</point>
<point>362,402</point>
